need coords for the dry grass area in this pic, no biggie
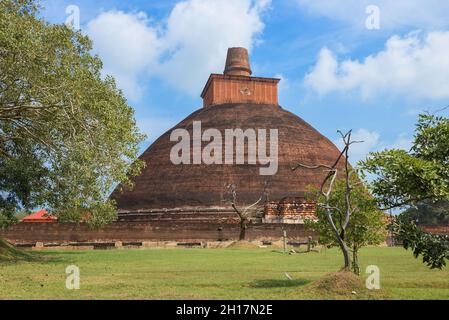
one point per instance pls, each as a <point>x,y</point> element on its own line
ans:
<point>243,245</point>
<point>340,284</point>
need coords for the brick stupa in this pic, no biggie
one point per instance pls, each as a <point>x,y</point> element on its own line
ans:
<point>234,99</point>
<point>189,204</point>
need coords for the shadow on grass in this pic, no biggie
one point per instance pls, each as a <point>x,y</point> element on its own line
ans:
<point>10,254</point>
<point>31,257</point>
<point>55,256</point>
<point>56,253</point>
<point>297,251</point>
<point>265,284</point>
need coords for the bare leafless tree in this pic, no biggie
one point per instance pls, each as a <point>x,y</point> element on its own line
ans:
<point>326,191</point>
<point>245,213</point>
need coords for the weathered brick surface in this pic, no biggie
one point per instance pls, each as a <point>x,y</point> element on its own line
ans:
<point>441,229</point>
<point>237,62</point>
<point>291,208</point>
<point>233,100</point>
<point>222,89</point>
<point>165,185</point>
<point>31,233</point>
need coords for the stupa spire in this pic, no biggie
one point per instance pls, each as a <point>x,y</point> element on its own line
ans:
<point>237,62</point>
<point>237,85</point>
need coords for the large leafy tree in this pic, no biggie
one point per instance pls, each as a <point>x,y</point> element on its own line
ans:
<point>67,134</point>
<point>407,179</point>
<point>367,224</point>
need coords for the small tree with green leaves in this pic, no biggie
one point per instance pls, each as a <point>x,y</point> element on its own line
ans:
<point>338,226</point>
<point>367,224</point>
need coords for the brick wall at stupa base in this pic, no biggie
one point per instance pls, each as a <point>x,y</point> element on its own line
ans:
<point>290,211</point>
<point>146,231</point>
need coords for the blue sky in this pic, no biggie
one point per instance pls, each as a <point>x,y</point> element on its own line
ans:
<point>337,74</point>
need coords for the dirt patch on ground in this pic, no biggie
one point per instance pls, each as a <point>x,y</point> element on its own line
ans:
<point>243,245</point>
<point>340,283</point>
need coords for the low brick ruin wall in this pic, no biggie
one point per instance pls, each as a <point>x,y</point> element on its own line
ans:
<point>145,231</point>
<point>438,229</point>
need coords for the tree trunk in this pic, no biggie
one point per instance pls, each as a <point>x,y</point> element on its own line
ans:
<point>284,240</point>
<point>355,261</point>
<point>347,260</point>
<point>242,236</point>
<point>341,243</point>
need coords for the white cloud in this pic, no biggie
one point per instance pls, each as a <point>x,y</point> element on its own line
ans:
<point>184,49</point>
<point>127,46</point>
<point>323,78</point>
<point>284,83</point>
<point>415,65</point>
<point>358,151</point>
<point>402,142</point>
<point>372,142</point>
<point>155,126</point>
<point>429,14</point>
<point>198,34</point>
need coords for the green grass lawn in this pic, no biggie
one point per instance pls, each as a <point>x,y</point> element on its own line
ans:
<point>213,274</point>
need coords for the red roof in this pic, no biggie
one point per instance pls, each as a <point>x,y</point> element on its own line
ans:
<point>40,216</point>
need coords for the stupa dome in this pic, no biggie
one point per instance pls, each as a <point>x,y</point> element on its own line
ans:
<point>231,101</point>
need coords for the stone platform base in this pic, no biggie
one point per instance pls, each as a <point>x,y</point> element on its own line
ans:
<point>144,234</point>
<point>124,246</point>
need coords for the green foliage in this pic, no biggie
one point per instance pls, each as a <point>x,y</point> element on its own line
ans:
<point>428,212</point>
<point>367,224</point>
<point>433,248</point>
<point>67,135</point>
<point>405,178</point>
<point>413,178</point>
